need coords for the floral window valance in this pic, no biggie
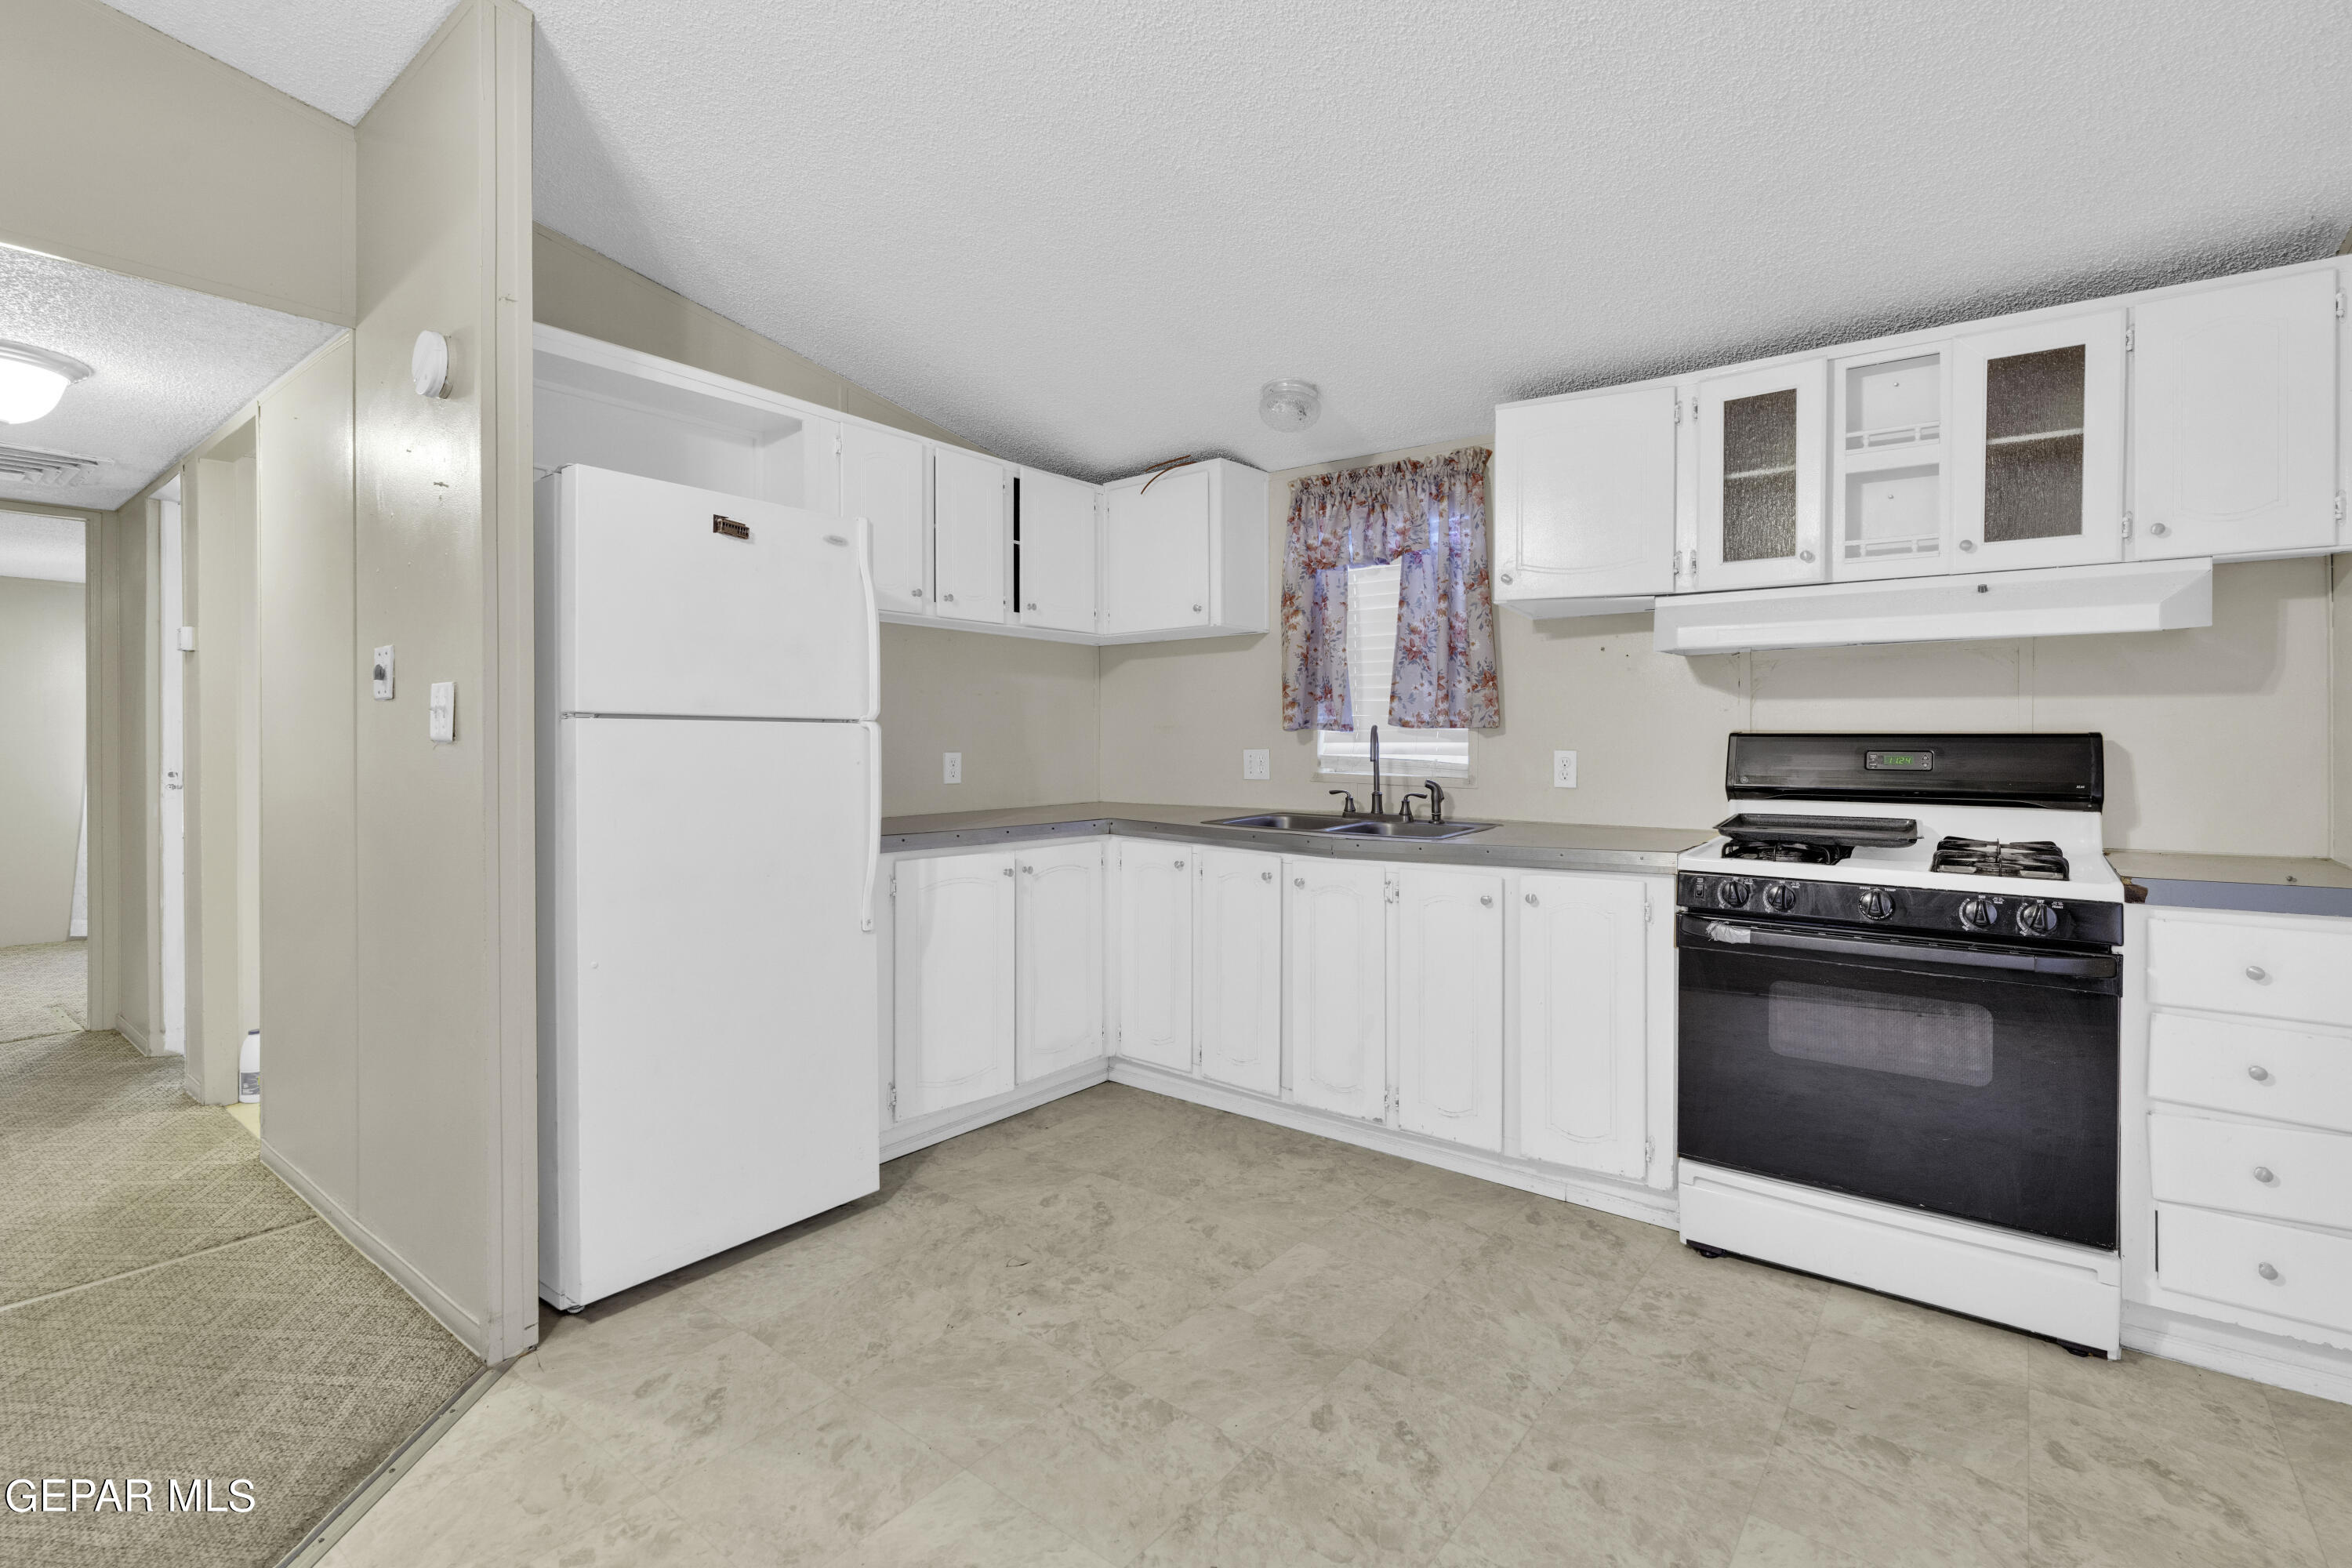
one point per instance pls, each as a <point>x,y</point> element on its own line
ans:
<point>1429,516</point>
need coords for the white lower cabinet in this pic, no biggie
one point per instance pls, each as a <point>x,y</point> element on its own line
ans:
<point>1237,991</point>
<point>1583,1024</point>
<point>1449,1016</point>
<point>1058,890</point>
<point>1155,953</point>
<point>1335,991</point>
<point>953,982</point>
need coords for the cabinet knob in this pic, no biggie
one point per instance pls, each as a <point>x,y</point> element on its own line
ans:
<point>1008,870</point>
<point>1532,899</point>
<point>1507,576</point>
<point>949,597</point>
<point>1485,901</point>
<point>1266,875</point>
<point>1966,545</point>
<point>2267,1272</point>
<point>1032,605</point>
<point>1028,870</point>
<point>917,593</point>
<point>1804,555</point>
<point>1180,865</point>
<point>2257,975</point>
<point>2159,529</point>
<point>1299,881</point>
<point>1196,609</point>
<point>2262,1174</point>
<point>2259,1073</point>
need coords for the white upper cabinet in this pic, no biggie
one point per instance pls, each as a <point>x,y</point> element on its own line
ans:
<point>972,536</point>
<point>1335,916</point>
<point>1155,953</point>
<point>1582,1023</point>
<point>2037,442</point>
<point>952,960</point>
<point>1762,441</point>
<point>1055,521</point>
<point>1889,489</point>
<point>1184,552</point>
<point>1238,996</point>
<point>1584,495</point>
<point>1449,1004</point>
<point>882,481</point>
<point>2234,419</point>
<point>1058,892</point>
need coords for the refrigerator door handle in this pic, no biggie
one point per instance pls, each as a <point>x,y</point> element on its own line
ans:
<point>873,701</point>
<point>873,822</point>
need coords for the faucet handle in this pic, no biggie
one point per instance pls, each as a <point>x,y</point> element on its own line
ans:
<point>1404,806</point>
<point>1348,797</point>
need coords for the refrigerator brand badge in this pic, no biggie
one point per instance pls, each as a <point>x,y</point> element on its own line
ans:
<point>729,527</point>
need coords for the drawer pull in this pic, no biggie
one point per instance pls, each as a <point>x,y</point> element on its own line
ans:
<point>2257,975</point>
<point>2267,1272</point>
<point>2259,1074</point>
<point>2262,1174</point>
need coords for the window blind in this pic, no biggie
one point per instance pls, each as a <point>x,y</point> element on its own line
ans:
<point>1405,755</point>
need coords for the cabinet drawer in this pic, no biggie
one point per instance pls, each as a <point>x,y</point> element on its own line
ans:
<point>2253,1069</point>
<point>2224,1259</point>
<point>2280,1172</point>
<point>2266,971</point>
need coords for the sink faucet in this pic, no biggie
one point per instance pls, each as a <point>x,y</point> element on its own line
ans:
<point>1436,799</point>
<point>1377,808</point>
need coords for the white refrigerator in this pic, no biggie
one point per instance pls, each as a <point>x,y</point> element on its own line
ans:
<point>708,838</point>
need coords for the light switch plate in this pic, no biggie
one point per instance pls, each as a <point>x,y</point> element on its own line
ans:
<point>1563,770</point>
<point>1257,765</point>
<point>382,675</point>
<point>951,768</point>
<point>441,712</point>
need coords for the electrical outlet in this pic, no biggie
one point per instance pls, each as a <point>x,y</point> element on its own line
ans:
<point>1563,770</point>
<point>951,768</point>
<point>1257,765</point>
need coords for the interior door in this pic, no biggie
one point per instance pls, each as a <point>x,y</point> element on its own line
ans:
<point>882,481</point>
<point>1762,435</point>
<point>1155,954</point>
<point>680,601</point>
<point>1584,495</point>
<point>971,511</point>
<point>1450,1005</point>
<point>1156,552</point>
<point>1053,554</point>
<point>2038,444</point>
<point>1582,1023</point>
<point>2233,419</point>
<point>1335,922</point>
<point>954,980</point>
<point>1059,892</point>
<point>1239,996</point>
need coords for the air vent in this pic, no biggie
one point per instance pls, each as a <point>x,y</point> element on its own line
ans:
<point>25,466</point>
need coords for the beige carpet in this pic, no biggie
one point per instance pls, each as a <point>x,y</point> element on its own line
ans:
<point>44,989</point>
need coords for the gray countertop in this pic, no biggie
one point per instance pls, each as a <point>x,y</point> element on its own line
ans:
<point>1537,846</point>
<point>2260,883</point>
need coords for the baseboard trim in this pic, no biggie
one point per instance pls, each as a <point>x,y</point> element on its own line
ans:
<point>1528,1175</point>
<point>136,1035</point>
<point>2250,1353</point>
<point>941,1125</point>
<point>471,1331</point>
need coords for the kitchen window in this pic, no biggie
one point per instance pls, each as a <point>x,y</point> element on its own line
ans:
<point>1406,756</point>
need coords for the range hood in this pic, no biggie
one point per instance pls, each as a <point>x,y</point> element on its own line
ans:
<point>2047,602</point>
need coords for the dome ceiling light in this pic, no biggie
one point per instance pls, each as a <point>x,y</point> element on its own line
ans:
<point>1289,406</point>
<point>32,380</point>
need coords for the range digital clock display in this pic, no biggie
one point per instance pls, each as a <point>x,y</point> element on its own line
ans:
<point>1899,761</point>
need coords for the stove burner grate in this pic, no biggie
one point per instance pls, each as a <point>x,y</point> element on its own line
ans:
<point>1791,852</point>
<point>2037,861</point>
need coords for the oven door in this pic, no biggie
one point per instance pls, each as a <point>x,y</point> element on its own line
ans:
<point>1965,1079</point>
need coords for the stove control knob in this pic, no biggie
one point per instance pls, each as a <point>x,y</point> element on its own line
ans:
<point>1878,904</point>
<point>2037,919</point>
<point>1735,891</point>
<point>1979,915</point>
<point>1780,897</point>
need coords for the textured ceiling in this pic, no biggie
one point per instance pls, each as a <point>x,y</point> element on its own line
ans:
<point>1083,234</point>
<point>167,366</point>
<point>32,545</point>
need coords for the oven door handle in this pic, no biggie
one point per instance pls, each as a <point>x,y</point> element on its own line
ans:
<point>2092,966</point>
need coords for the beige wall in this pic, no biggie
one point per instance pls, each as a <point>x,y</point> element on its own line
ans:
<point>220,760</point>
<point>131,151</point>
<point>41,761</point>
<point>2218,740</point>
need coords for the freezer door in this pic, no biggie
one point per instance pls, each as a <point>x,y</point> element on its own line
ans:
<point>678,601</point>
<point>712,1059</point>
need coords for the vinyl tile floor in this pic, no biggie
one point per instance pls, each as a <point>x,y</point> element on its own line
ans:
<point>1121,1328</point>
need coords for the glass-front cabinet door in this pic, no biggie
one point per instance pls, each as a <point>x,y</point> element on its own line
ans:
<point>1888,484</point>
<point>2038,444</point>
<point>1761,440</point>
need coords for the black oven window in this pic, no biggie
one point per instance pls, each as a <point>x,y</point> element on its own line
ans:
<point>1879,1031</point>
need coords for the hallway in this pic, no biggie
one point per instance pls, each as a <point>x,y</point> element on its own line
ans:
<point>169,1310</point>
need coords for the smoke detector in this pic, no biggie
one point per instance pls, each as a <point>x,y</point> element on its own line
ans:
<point>1289,406</point>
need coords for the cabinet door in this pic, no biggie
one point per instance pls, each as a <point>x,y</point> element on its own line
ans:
<point>1054,551</point>
<point>1335,982</point>
<point>1155,954</point>
<point>1059,892</point>
<point>1762,436</point>
<point>1888,480</point>
<point>1156,552</point>
<point>2233,419</point>
<point>882,481</point>
<point>2038,444</point>
<point>1584,495</point>
<point>1450,1005</point>
<point>1238,999</point>
<point>1581,1023</point>
<point>954,980</point>
<point>971,511</point>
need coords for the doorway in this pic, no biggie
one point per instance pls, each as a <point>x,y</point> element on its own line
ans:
<point>44,779</point>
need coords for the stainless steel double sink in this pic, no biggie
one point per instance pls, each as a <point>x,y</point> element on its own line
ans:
<point>1332,825</point>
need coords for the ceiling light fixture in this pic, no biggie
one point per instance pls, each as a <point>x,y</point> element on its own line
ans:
<point>32,380</point>
<point>1289,405</point>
